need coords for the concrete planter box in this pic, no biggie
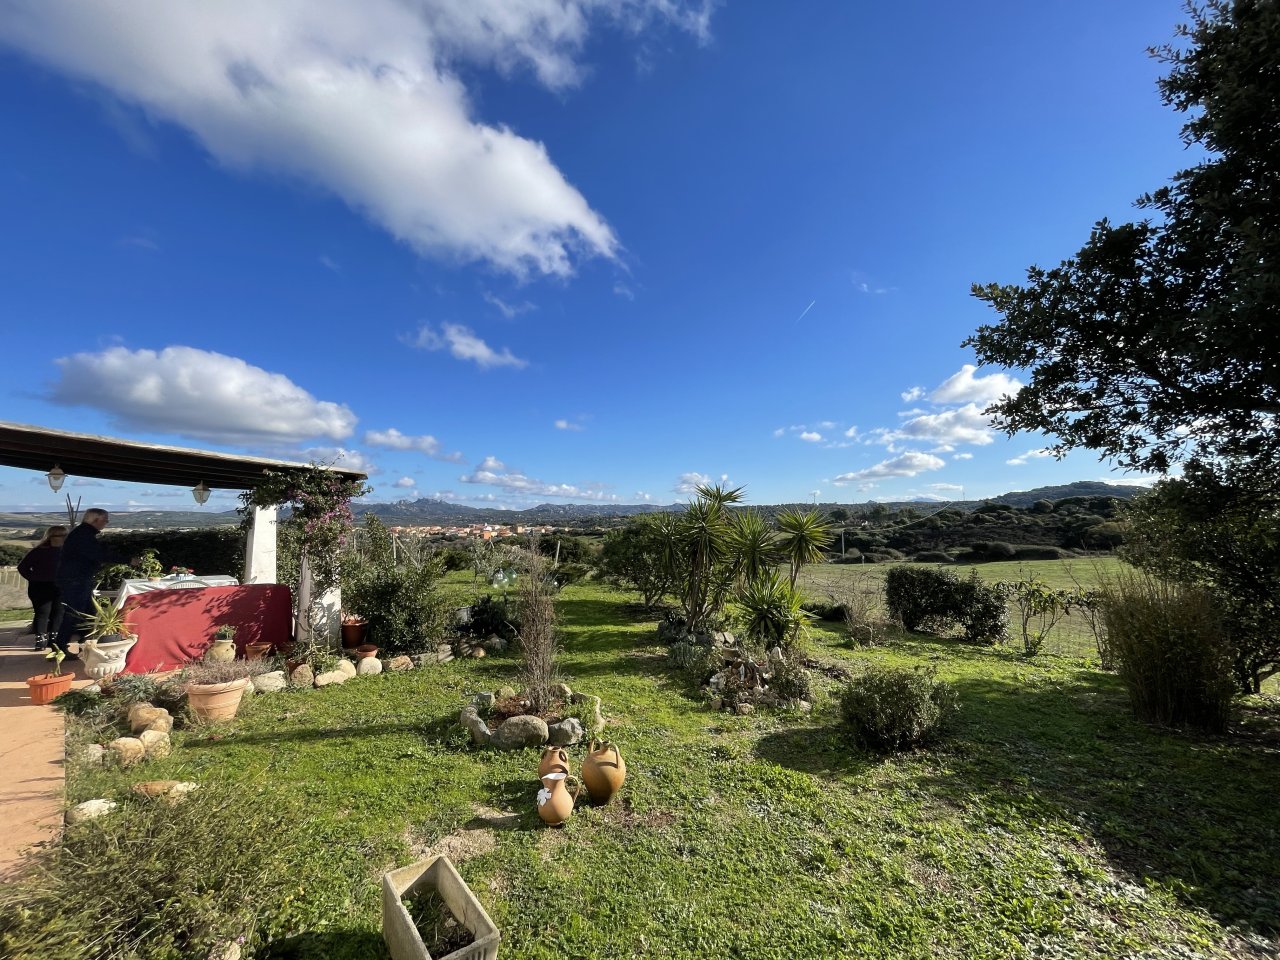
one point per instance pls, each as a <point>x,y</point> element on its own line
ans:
<point>438,874</point>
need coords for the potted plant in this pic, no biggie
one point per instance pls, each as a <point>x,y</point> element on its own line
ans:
<point>223,647</point>
<point>353,630</point>
<point>149,565</point>
<point>257,649</point>
<point>181,572</point>
<point>47,687</point>
<point>107,641</point>
<point>214,688</point>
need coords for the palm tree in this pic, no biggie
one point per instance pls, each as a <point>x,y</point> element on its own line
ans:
<point>804,537</point>
<point>754,546</point>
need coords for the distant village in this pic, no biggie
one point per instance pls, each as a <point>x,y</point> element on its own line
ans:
<point>471,531</point>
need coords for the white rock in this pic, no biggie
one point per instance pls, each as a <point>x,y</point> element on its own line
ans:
<point>90,809</point>
<point>270,682</point>
<point>347,667</point>
<point>369,667</point>
<point>332,678</point>
<point>155,743</point>
<point>225,950</point>
<point>127,750</point>
<point>95,755</point>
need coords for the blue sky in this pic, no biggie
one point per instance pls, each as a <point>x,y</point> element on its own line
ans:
<point>506,252</point>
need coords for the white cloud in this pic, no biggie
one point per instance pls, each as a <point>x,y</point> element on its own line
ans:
<point>330,265</point>
<point>643,497</point>
<point>620,289</point>
<point>508,310</point>
<point>341,457</point>
<point>946,487</point>
<point>364,100</point>
<point>852,433</point>
<point>907,465</point>
<point>464,345</point>
<point>393,439</point>
<point>811,437</point>
<point>404,483</point>
<point>689,482</point>
<point>965,424</point>
<point>912,395</point>
<point>1029,455</point>
<point>779,432</point>
<point>962,456</point>
<point>197,393</point>
<point>492,463</point>
<point>964,387</point>
<point>515,482</point>
<point>563,424</point>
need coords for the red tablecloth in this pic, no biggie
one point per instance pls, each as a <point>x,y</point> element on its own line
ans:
<point>177,626</point>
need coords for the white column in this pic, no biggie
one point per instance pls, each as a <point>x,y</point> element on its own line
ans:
<point>260,551</point>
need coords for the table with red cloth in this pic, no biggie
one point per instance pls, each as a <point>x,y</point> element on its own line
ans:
<point>177,626</point>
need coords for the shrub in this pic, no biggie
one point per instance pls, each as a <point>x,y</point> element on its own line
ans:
<point>772,614</point>
<point>1170,650</point>
<point>889,709</point>
<point>981,610</point>
<point>1036,552</point>
<point>831,612</point>
<point>398,599</point>
<point>494,616</point>
<point>207,550</point>
<point>571,573</point>
<point>692,658</point>
<point>790,681</point>
<point>932,556</point>
<point>918,596</point>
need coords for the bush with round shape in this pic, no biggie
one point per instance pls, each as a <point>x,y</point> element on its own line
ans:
<point>889,709</point>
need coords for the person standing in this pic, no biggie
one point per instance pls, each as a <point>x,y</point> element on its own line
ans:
<point>82,555</point>
<point>39,568</point>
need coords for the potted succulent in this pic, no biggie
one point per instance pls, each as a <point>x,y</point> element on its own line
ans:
<point>353,630</point>
<point>107,641</point>
<point>214,689</point>
<point>48,686</point>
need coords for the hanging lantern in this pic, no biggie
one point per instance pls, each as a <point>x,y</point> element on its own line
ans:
<point>56,476</point>
<point>201,492</point>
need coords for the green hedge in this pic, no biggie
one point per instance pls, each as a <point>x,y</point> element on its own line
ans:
<point>207,551</point>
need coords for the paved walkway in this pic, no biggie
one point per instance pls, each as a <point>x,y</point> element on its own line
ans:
<point>31,753</point>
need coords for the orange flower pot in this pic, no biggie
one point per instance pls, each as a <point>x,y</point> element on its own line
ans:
<point>47,688</point>
<point>212,702</point>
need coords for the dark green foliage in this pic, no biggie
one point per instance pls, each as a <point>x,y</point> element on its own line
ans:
<point>494,616</point>
<point>208,550</point>
<point>571,549</point>
<point>11,555</point>
<point>633,557</point>
<point>790,681</point>
<point>1171,652</point>
<point>570,573</point>
<point>690,657</point>
<point>929,599</point>
<point>77,703</point>
<point>398,598</point>
<point>1040,553</point>
<point>831,612</point>
<point>932,556</point>
<point>889,709</point>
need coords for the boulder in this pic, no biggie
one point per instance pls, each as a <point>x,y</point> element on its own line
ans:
<point>141,716</point>
<point>270,682</point>
<point>331,678</point>
<point>165,723</point>
<point>302,676</point>
<point>225,950</point>
<point>775,655</point>
<point>90,809</point>
<point>565,733</point>
<point>127,750</point>
<point>471,722</point>
<point>495,645</point>
<point>173,790</point>
<point>94,755</point>
<point>369,667</point>
<point>444,652</point>
<point>347,667</point>
<point>484,701</point>
<point>519,732</point>
<point>505,693</point>
<point>724,638</point>
<point>249,691</point>
<point>155,743</point>
<point>400,664</point>
<point>476,652</point>
<point>561,691</point>
<point>745,709</point>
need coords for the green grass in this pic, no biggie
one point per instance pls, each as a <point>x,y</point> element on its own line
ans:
<point>1071,637</point>
<point>1051,824</point>
<point>15,614</point>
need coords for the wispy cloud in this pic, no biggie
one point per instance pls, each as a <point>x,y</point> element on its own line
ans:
<point>964,387</point>
<point>329,264</point>
<point>1030,455</point>
<point>463,344</point>
<point>508,310</point>
<point>571,425</point>
<point>393,439</point>
<point>805,310</point>
<point>907,465</point>
<point>517,482</point>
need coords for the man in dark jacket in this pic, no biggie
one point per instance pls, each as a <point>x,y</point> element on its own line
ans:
<point>82,555</point>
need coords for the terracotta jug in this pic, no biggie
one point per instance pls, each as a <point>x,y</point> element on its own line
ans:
<point>554,760</point>
<point>555,803</point>
<point>603,771</point>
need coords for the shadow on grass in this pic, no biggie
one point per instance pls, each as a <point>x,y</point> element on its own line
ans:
<point>822,751</point>
<point>439,728</point>
<point>329,945</point>
<point>1196,814</point>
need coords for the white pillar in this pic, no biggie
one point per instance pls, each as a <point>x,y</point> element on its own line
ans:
<point>260,551</point>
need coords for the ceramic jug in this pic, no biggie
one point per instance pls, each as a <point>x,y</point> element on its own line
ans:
<point>555,803</point>
<point>603,771</point>
<point>554,760</point>
<point>221,651</point>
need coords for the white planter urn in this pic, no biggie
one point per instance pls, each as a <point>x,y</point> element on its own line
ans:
<point>103,659</point>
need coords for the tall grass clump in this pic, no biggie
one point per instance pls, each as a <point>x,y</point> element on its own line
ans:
<point>1170,649</point>
<point>537,637</point>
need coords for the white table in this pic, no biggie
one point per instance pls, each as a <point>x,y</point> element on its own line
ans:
<point>131,588</point>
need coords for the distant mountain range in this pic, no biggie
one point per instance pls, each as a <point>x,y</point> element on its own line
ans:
<point>429,512</point>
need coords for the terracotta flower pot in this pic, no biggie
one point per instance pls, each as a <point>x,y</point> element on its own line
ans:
<point>555,803</point>
<point>554,760</point>
<point>366,650</point>
<point>46,688</point>
<point>353,632</point>
<point>211,702</point>
<point>603,771</point>
<point>256,651</point>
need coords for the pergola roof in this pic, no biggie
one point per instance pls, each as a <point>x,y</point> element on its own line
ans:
<point>106,458</point>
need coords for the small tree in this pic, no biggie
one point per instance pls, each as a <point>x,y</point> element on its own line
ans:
<point>632,557</point>
<point>1036,602</point>
<point>537,630</point>
<point>803,538</point>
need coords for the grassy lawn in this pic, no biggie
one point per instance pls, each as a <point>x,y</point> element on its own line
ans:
<point>1050,825</point>
<point>1071,636</point>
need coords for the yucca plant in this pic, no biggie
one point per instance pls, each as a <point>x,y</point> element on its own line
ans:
<point>803,537</point>
<point>772,613</point>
